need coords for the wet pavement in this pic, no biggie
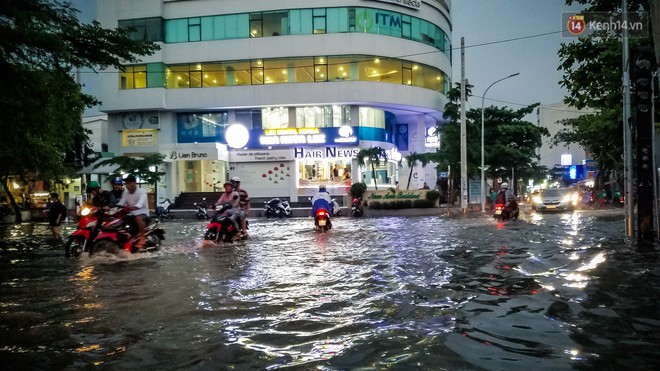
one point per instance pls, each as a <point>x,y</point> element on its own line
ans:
<point>550,292</point>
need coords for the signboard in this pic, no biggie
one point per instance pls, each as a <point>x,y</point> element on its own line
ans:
<point>188,152</point>
<point>413,4</point>
<point>475,191</point>
<point>327,152</point>
<point>139,137</point>
<point>260,155</point>
<point>391,195</point>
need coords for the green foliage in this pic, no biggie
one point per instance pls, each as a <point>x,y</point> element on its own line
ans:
<point>592,75</point>
<point>41,44</point>
<point>138,166</point>
<point>509,140</point>
<point>423,204</point>
<point>357,189</point>
<point>412,159</point>
<point>433,196</point>
<point>374,156</point>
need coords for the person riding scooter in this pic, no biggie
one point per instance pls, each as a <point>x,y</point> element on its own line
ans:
<point>321,200</point>
<point>506,197</point>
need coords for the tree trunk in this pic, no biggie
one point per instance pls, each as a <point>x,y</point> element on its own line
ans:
<point>373,174</point>
<point>409,177</point>
<point>17,211</point>
<point>655,21</point>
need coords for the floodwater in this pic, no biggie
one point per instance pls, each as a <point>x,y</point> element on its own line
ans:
<point>551,292</point>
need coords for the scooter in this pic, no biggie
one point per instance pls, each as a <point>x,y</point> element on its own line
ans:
<point>322,220</point>
<point>225,228</point>
<point>336,210</point>
<point>83,238</point>
<point>277,208</point>
<point>117,235</point>
<point>503,213</point>
<point>356,210</point>
<point>202,214</point>
<point>163,209</point>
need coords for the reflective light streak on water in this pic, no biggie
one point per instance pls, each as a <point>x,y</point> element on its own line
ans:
<point>552,292</point>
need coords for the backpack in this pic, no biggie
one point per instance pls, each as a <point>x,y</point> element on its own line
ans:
<point>501,198</point>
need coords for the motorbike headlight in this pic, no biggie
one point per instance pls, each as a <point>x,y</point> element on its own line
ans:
<point>85,211</point>
<point>575,197</point>
<point>537,199</point>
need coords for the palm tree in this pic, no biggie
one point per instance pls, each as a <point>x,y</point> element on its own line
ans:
<point>373,155</point>
<point>411,161</point>
<point>140,167</point>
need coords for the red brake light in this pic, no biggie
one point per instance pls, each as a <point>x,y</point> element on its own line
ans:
<point>321,212</point>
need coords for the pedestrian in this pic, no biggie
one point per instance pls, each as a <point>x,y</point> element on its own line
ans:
<point>313,172</point>
<point>56,215</point>
<point>335,172</point>
<point>425,186</point>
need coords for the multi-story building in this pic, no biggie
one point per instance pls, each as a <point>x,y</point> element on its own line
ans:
<point>283,94</point>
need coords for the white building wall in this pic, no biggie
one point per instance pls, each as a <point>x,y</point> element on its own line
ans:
<point>549,116</point>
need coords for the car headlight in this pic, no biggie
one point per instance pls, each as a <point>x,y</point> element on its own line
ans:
<point>566,198</point>
<point>575,198</point>
<point>537,199</point>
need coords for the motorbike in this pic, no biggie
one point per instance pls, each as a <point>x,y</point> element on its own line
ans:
<point>202,213</point>
<point>118,234</point>
<point>356,209</point>
<point>336,210</point>
<point>503,213</point>
<point>224,227</point>
<point>277,208</point>
<point>82,238</point>
<point>163,209</point>
<point>322,220</point>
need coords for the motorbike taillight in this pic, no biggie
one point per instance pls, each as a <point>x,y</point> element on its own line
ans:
<point>499,207</point>
<point>321,213</point>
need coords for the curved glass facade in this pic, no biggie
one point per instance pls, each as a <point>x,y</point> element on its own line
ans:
<point>282,71</point>
<point>289,22</point>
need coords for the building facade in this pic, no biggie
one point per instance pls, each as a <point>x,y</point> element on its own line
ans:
<point>283,94</point>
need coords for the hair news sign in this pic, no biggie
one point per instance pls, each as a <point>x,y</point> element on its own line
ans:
<point>327,152</point>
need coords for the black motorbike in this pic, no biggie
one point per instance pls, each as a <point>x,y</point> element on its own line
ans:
<point>163,209</point>
<point>356,207</point>
<point>277,208</point>
<point>202,213</point>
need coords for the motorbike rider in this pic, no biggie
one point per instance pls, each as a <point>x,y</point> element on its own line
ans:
<point>244,204</point>
<point>232,197</point>
<point>117,187</point>
<point>321,200</point>
<point>506,197</point>
<point>135,200</point>
<point>101,198</point>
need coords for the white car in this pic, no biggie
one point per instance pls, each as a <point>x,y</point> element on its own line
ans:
<point>551,199</point>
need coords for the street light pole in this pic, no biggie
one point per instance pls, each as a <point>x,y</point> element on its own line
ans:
<point>483,180</point>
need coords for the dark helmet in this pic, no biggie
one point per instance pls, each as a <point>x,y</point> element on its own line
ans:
<point>117,180</point>
<point>130,178</point>
<point>92,186</point>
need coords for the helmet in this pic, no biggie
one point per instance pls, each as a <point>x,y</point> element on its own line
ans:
<point>322,187</point>
<point>130,178</point>
<point>93,185</point>
<point>117,180</point>
<point>227,182</point>
<point>236,179</point>
<point>504,185</point>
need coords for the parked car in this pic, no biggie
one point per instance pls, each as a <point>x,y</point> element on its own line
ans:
<point>559,199</point>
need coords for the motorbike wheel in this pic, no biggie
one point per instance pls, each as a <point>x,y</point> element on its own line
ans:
<point>339,213</point>
<point>104,246</point>
<point>74,246</point>
<point>153,242</point>
<point>211,234</point>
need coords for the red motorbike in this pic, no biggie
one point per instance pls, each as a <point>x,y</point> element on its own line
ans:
<point>120,234</point>
<point>82,238</point>
<point>225,228</point>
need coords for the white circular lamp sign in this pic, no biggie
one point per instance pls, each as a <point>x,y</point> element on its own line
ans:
<point>237,136</point>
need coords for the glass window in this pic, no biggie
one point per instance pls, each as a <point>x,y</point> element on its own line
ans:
<point>337,20</point>
<point>319,21</point>
<point>372,117</point>
<point>381,70</point>
<point>277,71</point>
<point>339,68</point>
<point>256,25</point>
<point>405,27</point>
<point>201,127</point>
<point>250,118</point>
<point>300,22</point>
<point>178,77</point>
<point>321,69</point>
<point>276,23</point>
<point>275,118</point>
<point>257,72</point>
<point>207,25</point>
<point>155,75</point>
<point>176,31</point>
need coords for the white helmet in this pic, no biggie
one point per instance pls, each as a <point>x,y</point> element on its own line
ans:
<point>235,179</point>
<point>504,185</point>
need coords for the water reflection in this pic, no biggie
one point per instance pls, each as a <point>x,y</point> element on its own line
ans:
<point>552,291</point>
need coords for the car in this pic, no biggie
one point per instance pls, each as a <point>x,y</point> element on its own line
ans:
<point>555,199</point>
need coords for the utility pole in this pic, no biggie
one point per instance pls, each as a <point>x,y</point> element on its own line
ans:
<point>464,180</point>
<point>627,133</point>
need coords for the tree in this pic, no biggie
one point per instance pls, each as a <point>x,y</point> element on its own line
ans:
<point>510,142</point>
<point>138,166</point>
<point>592,74</point>
<point>41,44</point>
<point>374,156</point>
<point>411,161</point>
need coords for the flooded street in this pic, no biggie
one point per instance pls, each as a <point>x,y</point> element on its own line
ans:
<point>555,291</point>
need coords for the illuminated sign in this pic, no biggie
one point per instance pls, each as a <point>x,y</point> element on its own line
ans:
<point>346,135</point>
<point>139,137</point>
<point>237,136</point>
<point>327,152</point>
<point>566,159</point>
<point>273,137</point>
<point>432,140</point>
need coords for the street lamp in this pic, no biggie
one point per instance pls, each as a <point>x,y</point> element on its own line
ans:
<point>483,180</point>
